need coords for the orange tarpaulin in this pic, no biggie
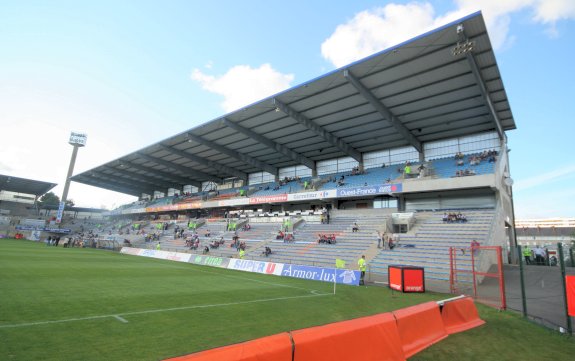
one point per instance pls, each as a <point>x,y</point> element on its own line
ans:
<point>271,348</point>
<point>460,315</point>
<point>419,327</point>
<point>372,338</point>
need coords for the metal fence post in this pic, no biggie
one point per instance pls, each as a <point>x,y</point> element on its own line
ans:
<point>562,263</point>
<point>521,278</point>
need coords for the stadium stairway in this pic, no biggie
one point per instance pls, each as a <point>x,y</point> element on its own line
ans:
<point>427,245</point>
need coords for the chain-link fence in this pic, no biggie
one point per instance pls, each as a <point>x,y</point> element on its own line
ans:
<point>536,287</point>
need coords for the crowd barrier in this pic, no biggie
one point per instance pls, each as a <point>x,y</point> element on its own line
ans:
<point>419,327</point>
<point>392,336</point>
<point>271,348</point>
<point>371,338</point>
<point>460,315</point>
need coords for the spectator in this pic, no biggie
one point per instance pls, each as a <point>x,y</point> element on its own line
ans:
<point>355,228</point>
<point>539,256</point>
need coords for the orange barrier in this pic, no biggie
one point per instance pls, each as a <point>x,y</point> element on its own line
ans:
<point>367,339</point>
<point>419,327</point>
<point>271,348</point>
<point>460,315</point>
<point>570,287</point>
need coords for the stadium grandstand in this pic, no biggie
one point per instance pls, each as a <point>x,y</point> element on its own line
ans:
<point>21,210</point>
<point>410,142</point>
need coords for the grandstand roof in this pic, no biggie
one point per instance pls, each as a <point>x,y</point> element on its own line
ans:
<point>442,84</point>
<point>23,185</point>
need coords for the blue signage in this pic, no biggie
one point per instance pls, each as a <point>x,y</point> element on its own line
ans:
<point>343,276</point>
<point>369,191</point>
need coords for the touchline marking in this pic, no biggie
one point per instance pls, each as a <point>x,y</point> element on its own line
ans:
<point>121,319</point>
<point>118,315</point>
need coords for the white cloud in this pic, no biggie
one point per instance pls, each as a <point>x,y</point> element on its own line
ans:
<point>545,178</point>
<point>243,85</point>
<point>551,11</point>
<point>373,30</point>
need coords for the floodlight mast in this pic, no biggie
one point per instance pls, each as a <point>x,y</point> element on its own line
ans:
<point>77,140</point>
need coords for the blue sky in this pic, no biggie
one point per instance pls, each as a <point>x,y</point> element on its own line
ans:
<point>130,73</point>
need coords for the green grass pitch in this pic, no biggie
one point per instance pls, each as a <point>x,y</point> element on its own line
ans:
<point>85,304</point>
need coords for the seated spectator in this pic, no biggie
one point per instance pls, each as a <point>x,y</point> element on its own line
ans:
<point>289,237</point>
<point>207,234</point>
<point>445,217</point>
<point>267,251</point>
<point>391,243</point>
<point>206,250</point>
<point>280,235</point>
<point>355,228</point>
<point>421,169</point>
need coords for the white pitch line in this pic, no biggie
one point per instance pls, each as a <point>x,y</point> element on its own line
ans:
<point>118,315</point>
<point>121,319</point>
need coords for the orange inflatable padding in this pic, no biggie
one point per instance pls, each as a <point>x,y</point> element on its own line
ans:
<point>419,327</point>
<point>271,348</point>
<point>460,315</point>
<point>365,339</point>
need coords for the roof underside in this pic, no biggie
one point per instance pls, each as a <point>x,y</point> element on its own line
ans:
<point>23,185</point>
<point>407,95</point>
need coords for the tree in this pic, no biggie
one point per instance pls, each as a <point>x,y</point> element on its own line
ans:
<point>49,199</point>
<point>70,203</point>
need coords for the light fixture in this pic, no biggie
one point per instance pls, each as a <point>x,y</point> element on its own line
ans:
<point>463,47</point>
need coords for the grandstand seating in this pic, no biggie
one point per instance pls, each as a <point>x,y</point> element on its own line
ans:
<point>428,246</point>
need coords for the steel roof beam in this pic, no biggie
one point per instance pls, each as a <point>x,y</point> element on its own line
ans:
<point>317,129</point>
<point>280,148</point>
<point>153,181</point>
<point>107,184</point>
<point>173,177</point>
<point>180,168</point>
<point>383,110</point>
<point>236,155</point>
<point>208,163</point>
<point>106,178</point>
<point>485,93</point>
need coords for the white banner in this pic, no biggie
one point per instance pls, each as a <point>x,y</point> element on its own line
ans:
<point>269,268</point>
<point>331,193</point>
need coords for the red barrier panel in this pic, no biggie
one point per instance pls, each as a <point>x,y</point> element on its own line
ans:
<point>271,348</point>
<point>460,315</point>
<point>373,338</point>
<point>570,287</point>
<point>419,327</point>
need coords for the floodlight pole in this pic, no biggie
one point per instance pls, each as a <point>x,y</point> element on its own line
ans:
<point>69,175</point>
<point>77,140</point>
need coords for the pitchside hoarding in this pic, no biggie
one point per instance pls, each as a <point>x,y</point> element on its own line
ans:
<point>341,276</point>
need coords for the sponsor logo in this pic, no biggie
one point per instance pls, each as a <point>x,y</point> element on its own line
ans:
<point>269,199</point>
<point>321,274</point>
<point>369,191</point>
<point>414,288</point>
